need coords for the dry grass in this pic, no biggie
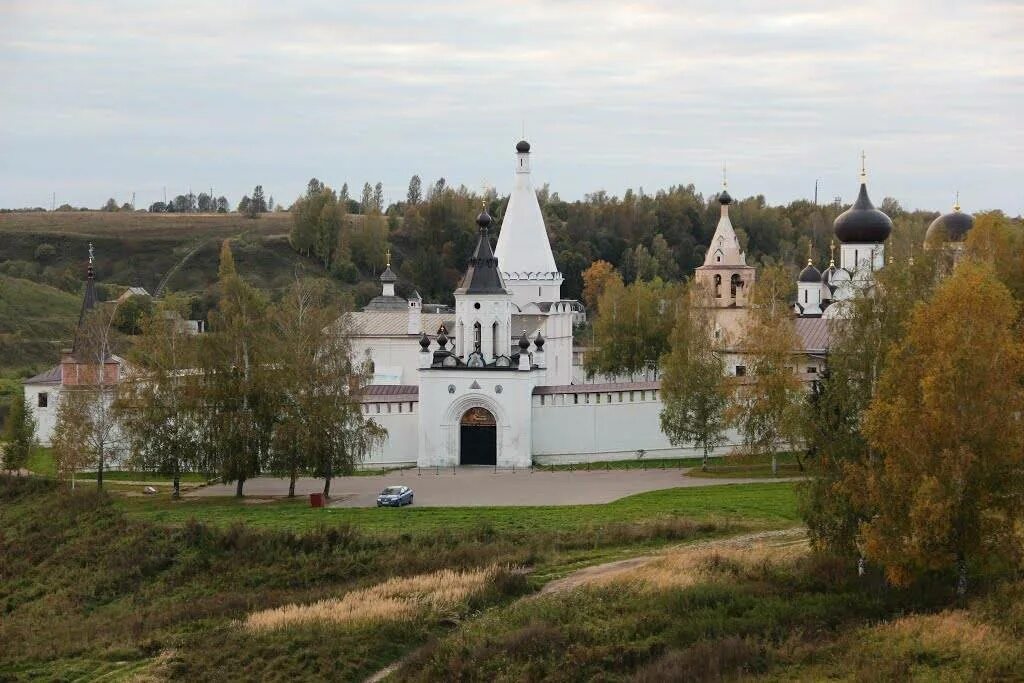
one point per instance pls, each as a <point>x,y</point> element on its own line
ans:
<point>397,599</point>
<point>141,224</point>
<point>689,566</point>
<point>949,632</point>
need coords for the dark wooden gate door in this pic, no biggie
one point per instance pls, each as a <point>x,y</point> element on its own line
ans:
<point>478,438</point>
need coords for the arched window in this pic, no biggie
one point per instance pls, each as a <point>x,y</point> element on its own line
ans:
<point>476,336</point>
<point>734,284</point>
<point>494,340</point>
<point>805,296</point>
<point>718,286</point>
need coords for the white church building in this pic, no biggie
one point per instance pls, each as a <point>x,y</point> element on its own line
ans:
<point>493,381</point>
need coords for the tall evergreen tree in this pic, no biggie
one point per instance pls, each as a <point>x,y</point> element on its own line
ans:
<point>415,193</point>
<point>20,434</point>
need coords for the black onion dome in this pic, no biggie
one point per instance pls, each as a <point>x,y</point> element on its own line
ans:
<point>539,342</point>
<point>862,222</point>
<point>483,219</point>
<point>810,274</point>
<point>388,275</point>
<point>724,198</point>
<point>524,343</point>
<point>827,274</point>
<point>522,146</point>
<point>424,341</point>
<point>949,227</point>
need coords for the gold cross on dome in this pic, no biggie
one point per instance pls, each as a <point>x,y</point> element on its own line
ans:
<point>387,256</point>
<point>90,254</point>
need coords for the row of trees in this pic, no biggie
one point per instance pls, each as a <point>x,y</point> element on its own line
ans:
<point>271,388</point>
<point>644,236</point>
<point>914,435</point>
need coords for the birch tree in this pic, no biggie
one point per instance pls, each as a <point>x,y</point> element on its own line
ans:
<point>694,387</point>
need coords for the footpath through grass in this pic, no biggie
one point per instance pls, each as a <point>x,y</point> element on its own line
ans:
<point>85,583</point>
<point>758,504</point>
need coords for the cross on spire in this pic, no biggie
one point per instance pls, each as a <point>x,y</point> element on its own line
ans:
<point>863,167</point>
<point>956,202</point>
<point>387,257</point>
<point>832,252</point>
<point>725,180</point>
<point>91,254</point>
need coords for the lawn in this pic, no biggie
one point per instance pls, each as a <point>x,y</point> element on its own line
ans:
<point>766,504</point>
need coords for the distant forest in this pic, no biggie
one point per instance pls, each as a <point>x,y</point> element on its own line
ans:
<point>430,234</point>
<point>662,235</point>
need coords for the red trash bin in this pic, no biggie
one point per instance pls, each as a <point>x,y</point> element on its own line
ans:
<point>316,500</point>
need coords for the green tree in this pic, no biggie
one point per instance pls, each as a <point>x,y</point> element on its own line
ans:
<point>238,413</point>
<point>632,327</point>
<point>948,419</point>
<point>366,204</point>
<point>320,426</point>
<point>415,193</point>
<point>87,426</point>
<point>158,405</point>
<point>695,393</point>
<point>258,204</point>
<point>19,433</point>
<point>768,403</point>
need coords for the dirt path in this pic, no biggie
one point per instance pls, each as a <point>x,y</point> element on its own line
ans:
<point>601,571</point>
<point>580,577</point>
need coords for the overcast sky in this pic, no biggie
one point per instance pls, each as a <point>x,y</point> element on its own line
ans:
<point>106,98</point>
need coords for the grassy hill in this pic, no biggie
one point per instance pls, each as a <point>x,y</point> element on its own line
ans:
<point>43,256</point>
<point>214,592</point>
<point>35,321</point>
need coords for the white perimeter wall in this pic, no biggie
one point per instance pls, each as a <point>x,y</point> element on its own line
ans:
<point>576,430</point>
<point>403,433</point>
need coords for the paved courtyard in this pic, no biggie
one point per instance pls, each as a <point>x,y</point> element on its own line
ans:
<point>476,486</point>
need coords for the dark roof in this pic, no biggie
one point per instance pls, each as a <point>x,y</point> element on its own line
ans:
<point>949,227</point>
<point>386,303</point>
<point>482,276</point>
<point>815,334</point>
<point>51,376</point>
<point>385,393</point>
<point>523,146</point>
<point>725,197</point>
<point>862,222</point>
<point>810,274</point>
<point>388,275</point>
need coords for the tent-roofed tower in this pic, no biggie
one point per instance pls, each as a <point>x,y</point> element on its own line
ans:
<point>523,250</point>
<point>726,277</point>
<point>483,304</point>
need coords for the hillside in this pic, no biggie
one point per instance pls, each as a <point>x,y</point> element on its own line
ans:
<point>43,256</point>
<point>35,321</point>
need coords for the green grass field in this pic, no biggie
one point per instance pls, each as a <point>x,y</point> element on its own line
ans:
<point>770,504</point>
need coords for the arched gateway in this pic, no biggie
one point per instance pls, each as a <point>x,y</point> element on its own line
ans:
<point>478,437</point>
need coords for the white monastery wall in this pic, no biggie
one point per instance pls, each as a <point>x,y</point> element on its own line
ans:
<point>401,419</point>
<point>609,425</point>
